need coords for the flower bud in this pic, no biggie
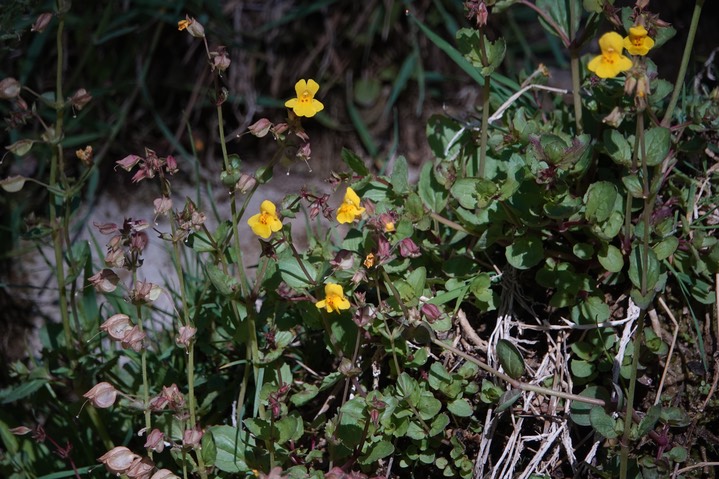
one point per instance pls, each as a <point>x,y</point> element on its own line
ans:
<point>162,205</point>
<point>118,459</point>
<point>260,128</point>
<point>41,22</point>
<point>186,335</point>
<point>220,59</point>
<point>9,88</point>
<point>431,312</point>
<point>80,98</point>
<point>171,165</point>
<point>20,430</point>
<point>155,441</point>
<point>408,248</point>
<point>102,395</point>
<point>192,437</point>
<point>245,183</point>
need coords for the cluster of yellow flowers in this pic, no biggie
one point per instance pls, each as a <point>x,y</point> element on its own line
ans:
<point>611,62</point>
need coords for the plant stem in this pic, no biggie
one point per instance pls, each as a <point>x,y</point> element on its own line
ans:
<point>485,109</point>
<point>574,64</point>
<point>648,202</point>
<point>55,167</point>
<point>666,121</point>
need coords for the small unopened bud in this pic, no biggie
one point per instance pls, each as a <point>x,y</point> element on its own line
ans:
<point>80,98</point>
<point>192,437</point>
<point>615,118</point>
<point>155,441</point>
<point>20,430</point>
<point>260,128</point>
<point>102,395</point>
<point>245,183</point>
<point>41,22</point>
<point>9,88</point>
<point>220,59</point>
<point>162,205</point>
<point>171,165</point>
<point>192,26</point>
<point>186,335</point>
<point>117,326</point>
<point>431,312</point>
<point>408,248</point>
<point>118,459</point>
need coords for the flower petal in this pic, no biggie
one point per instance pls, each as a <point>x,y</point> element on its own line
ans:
<point>611,41</point>
<point>300,87</point>
<point>312,87</point>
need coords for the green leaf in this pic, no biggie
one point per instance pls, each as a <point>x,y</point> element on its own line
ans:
<point>510,358</point>
<point>600,199</point>
<point>610,257</point>
<point>439,425</point>
<point>417,279</point>
<point>377,451</point>
<point>636,266</point>
<point>677,454</point>
<point>666,248</point>
<point>618,147</point>
<point>657,142</point>
<point>460,407</point>
<point>633,185</point>
<point>445,137</point>
<point>582,369</point>
<point>9,440</point>
<point>230,455</point>
<point>354,162</point>
<point>308,393</point>
<point>675,417</point>
<point>583,251</point>
<point>22,391</point>
<point>433,194</point>
<point>490,392</point>
<point>649,420</point>
<point>293,274</point>
<point>464,190</point>
<point>579,411</point>
<point>507,399</point>
<point>525,252</point>
<point>225,284</point>
<point>400,174</point>
<point>290,428</point>
<point>428,406</point>
<point>558,11</point>
<point>602,422</point>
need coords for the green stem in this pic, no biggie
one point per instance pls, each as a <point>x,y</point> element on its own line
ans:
<point>648,203</point>
<point>574,64</point>
<point>485,109</point>
<point>666,121</point>
<point>55,167</point>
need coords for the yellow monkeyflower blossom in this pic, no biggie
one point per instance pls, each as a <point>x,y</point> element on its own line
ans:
<point>611,62</point>
<point>638,41</point>
<point>265,222</point>
<point>369,261</point>
<point>335,300</point>
<point>350,208</point>
<point>305,104</point>
<point>183,24</point>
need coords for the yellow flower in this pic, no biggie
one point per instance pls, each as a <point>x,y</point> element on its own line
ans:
<point>334,299</point>
<point>638,43</point>
<point>611,62</point>
<point>183,24</point>
<point>305,104</point>
<point>350,208</point>
<point>266,221</point>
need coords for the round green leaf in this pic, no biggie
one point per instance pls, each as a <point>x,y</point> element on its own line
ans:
<point>460,407</point>
<point>525,252</point>
<point>611,258</point>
